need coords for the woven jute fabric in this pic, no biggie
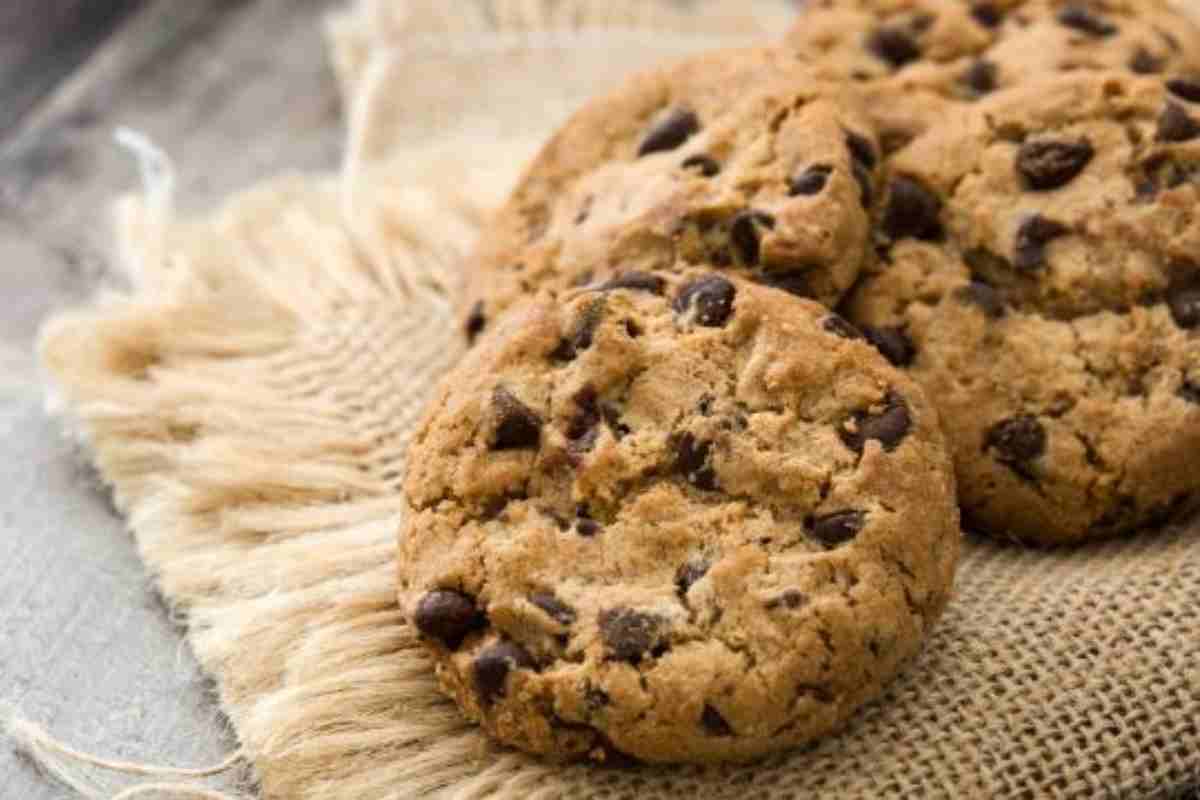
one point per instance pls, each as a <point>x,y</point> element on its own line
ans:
<point>251,396</point>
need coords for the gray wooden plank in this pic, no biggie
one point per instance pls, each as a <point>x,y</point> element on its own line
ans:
<point>43,42</point>
<point>237,91</point>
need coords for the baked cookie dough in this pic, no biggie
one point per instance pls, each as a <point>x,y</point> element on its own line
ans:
<point>676,518</point>
<point>1040,278</point>
<point>736,159</point>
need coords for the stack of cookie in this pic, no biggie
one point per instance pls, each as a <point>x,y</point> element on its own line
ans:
<point>755,329</point>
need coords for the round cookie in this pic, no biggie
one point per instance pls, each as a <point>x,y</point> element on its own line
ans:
<point>966,49</point>
<point>674,518</point>
<point>1040,277</point>
<point>736,159</point>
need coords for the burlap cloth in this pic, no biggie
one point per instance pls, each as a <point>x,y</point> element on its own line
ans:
<point>251,397</point>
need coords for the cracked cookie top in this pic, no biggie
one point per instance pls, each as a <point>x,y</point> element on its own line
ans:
<point>734,159</point>
<point>968,49</point>
<point>674,517</point>
<point>1041,280</point>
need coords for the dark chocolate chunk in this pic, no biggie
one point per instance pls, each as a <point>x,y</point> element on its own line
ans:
<point>476,322</point>
<point>865,191</point>
<point>791,599</point>
<point>838,326</point>
<point>893,343</point>
<point>894,45</point>
<point>984,297</point>
<point>834,530</point>
<point>1185,88</point>
<point>1175,125</point>
<point>630,635</point>
<point>556,609</point>
<point>889,427</point>
<point>714,724</point>
<point>1190,391</point>
<point>797,282</point>
<point>986,14</point>
<point>1019,440</point>
<point>1184,302</point>
<point>581,337</point>
<point>692,459</point>
<point>585,425</point>
<point>1049,164</point>
<point>612,417</point>
<point>448,616</point>
<point>713,298</point>
<point>587,527</point>
<point>746,236</point>
<point>635,281</point>
<point>912,211</point>
<point>688,574</point>
<point>980,77</point>
<point>1078,17</point>
<point>810,182</point>
<point>1145,63</point>
<point>704,164</point>
<point>493,665</point>
<point>861,149</point>
<point>670,131</point>
<point>1032,237</point>
<point>518,427</point>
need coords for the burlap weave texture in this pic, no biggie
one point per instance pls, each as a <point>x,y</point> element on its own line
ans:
<point>250,400</point>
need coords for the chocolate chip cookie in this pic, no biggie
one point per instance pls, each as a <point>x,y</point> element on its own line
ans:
<point>1039,275</point>
<point>967,49</point>
<point>674,517</point>
<point>734,159</point>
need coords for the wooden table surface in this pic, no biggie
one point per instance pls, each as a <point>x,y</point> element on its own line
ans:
<point>236,91</point>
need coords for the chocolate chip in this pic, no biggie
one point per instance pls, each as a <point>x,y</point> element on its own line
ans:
<point>1184,302</point>
<point>893,343</point>
<point>584,427</point>
<point>581,337</point>
<point>889,427</point>
<point>1175,125</point>
<point>834,530</point>
<point>912,211</point>
<point>612,417</point>
<point>1145,63</point>
<point>1018,440</point>
<point>810,182</point>
<point>630,635</point>
<point>838,326</point>
<point>713,298</point>
<point>493,665</point>
<point>986,14</point>
<point>894,45</point>
<point>669,132</point>
<point>448,616</point>
<point>688,574</point>
<point>791,599</point>
<point>746,236</point>
<point>1185,89</point>
<point>1190,392</point>
<point>476,322</point>
<point>1049,164</point>
<point>635,281</point>
<point>692,460</point>
<point>714,724</point>
<point>980,77</point>
<point>1078,17</point>
<point>861,149</point>
<point>1032,237</point>
<point>984,297</point>
<point>865,192</point>
<point>797,282</point>
<point>587,528</point>
<point>706,165</point>
<point>556,609</point>
<point>518,427</point>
